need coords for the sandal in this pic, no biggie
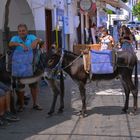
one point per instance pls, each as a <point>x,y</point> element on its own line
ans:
<point>20,109</point>
<point>37,107</point>
<point>10,117</point>
<point>3,122</point>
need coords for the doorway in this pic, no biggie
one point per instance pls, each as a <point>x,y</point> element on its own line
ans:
<point>79,40</point>
<point>48,19</point>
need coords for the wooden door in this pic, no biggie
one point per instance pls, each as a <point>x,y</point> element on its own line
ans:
<point>79,30</point>
<point>48,19</point>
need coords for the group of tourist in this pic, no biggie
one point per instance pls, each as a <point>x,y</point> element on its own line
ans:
<point>128,38</point>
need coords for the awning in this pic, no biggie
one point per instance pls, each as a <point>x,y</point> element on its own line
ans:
<point>117,3</point>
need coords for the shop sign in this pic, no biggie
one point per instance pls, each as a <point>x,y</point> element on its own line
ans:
<point>59,15</point>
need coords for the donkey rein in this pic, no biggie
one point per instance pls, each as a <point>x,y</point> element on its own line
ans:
<point>72,62</point>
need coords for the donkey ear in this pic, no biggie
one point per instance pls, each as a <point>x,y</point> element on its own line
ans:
<point>57,51</point>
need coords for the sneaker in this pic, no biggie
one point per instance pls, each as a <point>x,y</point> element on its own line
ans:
<point>37,107</point>
<point>20,109</point>
<point>10,117</point>
<point>3,122</point>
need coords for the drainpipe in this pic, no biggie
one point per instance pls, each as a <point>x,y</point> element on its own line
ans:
<point>82,28</point>
<point>132,8</point>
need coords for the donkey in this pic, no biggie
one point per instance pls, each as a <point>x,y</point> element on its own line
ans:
<point>6,78</point>
<point>73,65</point>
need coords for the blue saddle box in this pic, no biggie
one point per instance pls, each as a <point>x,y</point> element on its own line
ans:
<point>101,62</point>
<point>22,63</point>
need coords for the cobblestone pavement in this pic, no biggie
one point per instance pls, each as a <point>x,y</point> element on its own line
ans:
<point>104,120</point>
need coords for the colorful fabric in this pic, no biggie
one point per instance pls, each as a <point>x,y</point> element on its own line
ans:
<point>105,42</point>
<point>102,62</point>
<point>22,63</point>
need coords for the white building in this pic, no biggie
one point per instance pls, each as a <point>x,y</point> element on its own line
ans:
<point>120,9</point>
<point>131,3</point>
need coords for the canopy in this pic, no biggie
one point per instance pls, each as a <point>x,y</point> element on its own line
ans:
<point>117,3</point>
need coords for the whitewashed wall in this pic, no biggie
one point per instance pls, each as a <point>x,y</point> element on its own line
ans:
<point>72,12</point>
<point>2,5</point>
<point>2,13</point>
<point>20,12</point>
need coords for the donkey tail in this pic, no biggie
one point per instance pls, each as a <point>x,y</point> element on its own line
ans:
<point>136,74</point>
<point>62,83</point>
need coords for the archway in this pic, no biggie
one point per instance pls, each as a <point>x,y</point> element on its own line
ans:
<point>16,12</point>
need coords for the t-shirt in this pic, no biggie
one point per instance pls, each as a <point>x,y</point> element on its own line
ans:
<point>29,40</point>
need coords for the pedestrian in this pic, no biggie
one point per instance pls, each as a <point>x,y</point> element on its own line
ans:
<point>107,41</point>
<point>137,36</point>
<point>134,43</point>
<point>6,115</point>
<point>22,43</point>
<point>122,30</point>
<point>126,40</point>
<point>92,34</point>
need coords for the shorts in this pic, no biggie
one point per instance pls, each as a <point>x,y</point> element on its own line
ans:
<point>2,93</point>
<point>4,87</point>
<point>20,87</point>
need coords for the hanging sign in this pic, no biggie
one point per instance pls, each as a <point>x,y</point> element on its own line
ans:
<point>59,16</point>
<point>85,5</point>
<point>66,25</point>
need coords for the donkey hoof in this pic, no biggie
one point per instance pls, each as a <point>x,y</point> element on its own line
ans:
<point>83,115</point>
<point>78,113</point>
<point>50,113</point>
<point>133,113</point>
<point>124,111</point>
<point>60,111</point>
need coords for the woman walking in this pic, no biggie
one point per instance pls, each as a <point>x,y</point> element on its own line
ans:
<point>126,40</point>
